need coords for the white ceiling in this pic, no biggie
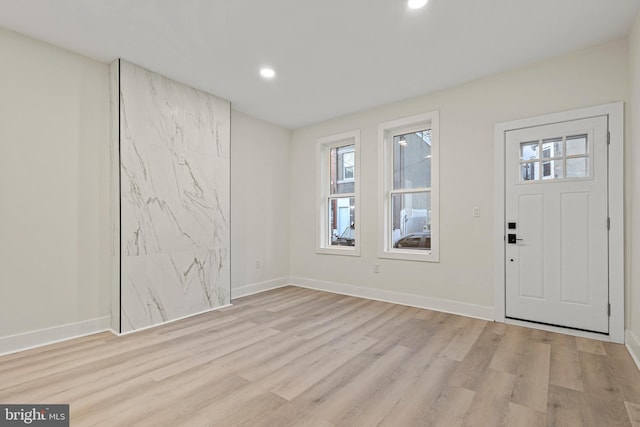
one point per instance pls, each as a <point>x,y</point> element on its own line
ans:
<point>332,57</point>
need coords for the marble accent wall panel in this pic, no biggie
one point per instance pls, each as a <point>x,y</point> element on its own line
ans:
<point>114,193</point>
<point>174,199</point>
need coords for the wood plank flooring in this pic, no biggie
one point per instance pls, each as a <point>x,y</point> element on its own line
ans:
<point>298,357</point>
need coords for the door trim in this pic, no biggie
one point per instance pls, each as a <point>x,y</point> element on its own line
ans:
<point>615,114</point>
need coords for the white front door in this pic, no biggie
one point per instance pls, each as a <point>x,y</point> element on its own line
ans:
<point>557,224</point>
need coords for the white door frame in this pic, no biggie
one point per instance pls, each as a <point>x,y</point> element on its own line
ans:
<point>615,113</point>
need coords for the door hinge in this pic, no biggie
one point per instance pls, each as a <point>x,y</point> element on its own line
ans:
<point>609,223</point>
<point>608,137</point>
<point>609,309</point>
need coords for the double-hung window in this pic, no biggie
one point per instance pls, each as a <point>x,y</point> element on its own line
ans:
<point>409,198</point>
<point>338,194</point>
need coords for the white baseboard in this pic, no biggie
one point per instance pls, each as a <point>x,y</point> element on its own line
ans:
<point>33,339</point>
<point>633,345</point>
<point>447,306</point>
<point>258,287</point>
<point>166,322</point>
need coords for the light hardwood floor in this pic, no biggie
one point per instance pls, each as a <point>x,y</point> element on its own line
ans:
<point>298,357</point>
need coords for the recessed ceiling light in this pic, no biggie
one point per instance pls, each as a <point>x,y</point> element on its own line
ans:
<point>267,73</point>
<point>416,4</point>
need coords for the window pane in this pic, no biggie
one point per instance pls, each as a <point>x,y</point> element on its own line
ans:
<point>530,171</point>
<point>341,221</point>
<point>551,148</point>
<point>529,151</point>
<point>552,169</point>
<point>342,169</point>
<point>411,220</point>
<point>348,165</point>
<point>412,160</point>
<point>409,242</point>
<point>576,145</point>
<point>578,168</point>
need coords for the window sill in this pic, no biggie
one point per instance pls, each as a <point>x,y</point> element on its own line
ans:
<point>410,255</point>
<point>345,251</point>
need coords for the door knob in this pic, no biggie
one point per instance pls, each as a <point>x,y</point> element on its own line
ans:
<point>512,239</point>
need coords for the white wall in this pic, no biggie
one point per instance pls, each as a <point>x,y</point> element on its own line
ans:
<point>468,114</point>
<point>260,163</point>
<point>633,191</point>
<point>54,171</point>
<point>54,157</point>
<point>55,240</point>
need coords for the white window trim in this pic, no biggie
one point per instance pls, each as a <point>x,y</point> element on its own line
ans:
<point>323,147</point>
<point>386,131</point>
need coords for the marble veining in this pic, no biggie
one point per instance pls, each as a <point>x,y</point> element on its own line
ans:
<point>175,183</point>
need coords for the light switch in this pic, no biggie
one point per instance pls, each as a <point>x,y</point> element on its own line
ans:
<point>476,211</point>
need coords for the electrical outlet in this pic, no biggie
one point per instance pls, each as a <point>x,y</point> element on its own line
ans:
<point>376,268</point>
<point>182,159</point>
<point>258,264</point>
